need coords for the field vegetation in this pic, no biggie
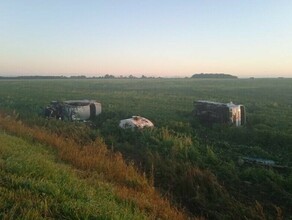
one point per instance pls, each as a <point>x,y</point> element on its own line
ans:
<point>194,165</point>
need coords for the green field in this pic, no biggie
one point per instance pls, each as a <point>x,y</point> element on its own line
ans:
<point>197,166</point>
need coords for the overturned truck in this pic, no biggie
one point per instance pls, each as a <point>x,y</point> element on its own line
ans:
<point>73,110</point>
<point>214,112</point>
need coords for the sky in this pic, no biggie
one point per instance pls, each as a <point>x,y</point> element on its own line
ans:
<point>152,37</point>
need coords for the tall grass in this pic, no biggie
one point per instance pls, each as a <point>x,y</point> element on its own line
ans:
<point>34,186</point>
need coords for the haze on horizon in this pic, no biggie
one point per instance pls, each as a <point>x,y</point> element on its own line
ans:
<point>154,38</point>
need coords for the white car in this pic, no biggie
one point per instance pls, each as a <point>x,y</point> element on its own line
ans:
<point>136,122</point>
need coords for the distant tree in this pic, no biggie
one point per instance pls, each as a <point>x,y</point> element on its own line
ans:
<point>213,76</point>
<point>107,76</point>
<point>33,77</point>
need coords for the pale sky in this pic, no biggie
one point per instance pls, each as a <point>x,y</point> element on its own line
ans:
<point>151,37</point>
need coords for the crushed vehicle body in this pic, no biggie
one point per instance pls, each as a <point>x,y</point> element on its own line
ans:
<point>73,110</point>
<point>215,112</point>
<point>136,122</point>
<point>259,161</point>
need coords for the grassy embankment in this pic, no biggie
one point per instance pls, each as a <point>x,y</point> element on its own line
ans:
<point>94,182</point>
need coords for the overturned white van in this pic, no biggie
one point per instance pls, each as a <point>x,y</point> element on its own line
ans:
<point>73,110</point>
<point>136,122</point>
